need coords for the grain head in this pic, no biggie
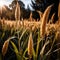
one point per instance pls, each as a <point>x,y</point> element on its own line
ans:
<point>44,21</point>
<point>30,46</point>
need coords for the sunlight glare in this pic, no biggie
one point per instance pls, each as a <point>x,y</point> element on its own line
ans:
<point>2,3</point>
<point>2,6</point>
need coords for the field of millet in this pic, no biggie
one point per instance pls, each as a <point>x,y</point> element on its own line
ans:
<point>30,40</point>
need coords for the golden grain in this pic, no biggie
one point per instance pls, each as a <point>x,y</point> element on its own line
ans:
<point>5,47</point>
<point>44,21</point>
<point>30,16</point>
<point>59,11</point>
<point>30,46</point>
<point>40,13</point>
<point>17,12</point>
<point>52,18</point>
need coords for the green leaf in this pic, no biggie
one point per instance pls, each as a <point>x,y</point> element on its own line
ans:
<point>25,53</point>
<point>52,45</point>
<point>3,35</point>
<point>14,46</point>
<point>43,48</point>
<point>22,34</point>
<point>38,42</point>
<point>21,38</point>
<point>34,54</point>
<point>25,43</point>
<point>19,31</point>
<point>18,56</point>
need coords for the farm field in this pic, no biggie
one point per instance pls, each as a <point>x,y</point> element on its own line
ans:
<point>28,34</point>
<point>28,39</point>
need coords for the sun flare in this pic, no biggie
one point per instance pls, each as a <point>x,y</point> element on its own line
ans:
<point>1,3</point>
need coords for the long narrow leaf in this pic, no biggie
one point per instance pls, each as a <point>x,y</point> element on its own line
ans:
<point>38,42</point>
<point>43,48</point>
<point>14,46</point>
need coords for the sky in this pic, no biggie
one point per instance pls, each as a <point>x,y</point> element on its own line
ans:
<point>26,2</point>
<point>6,2</point>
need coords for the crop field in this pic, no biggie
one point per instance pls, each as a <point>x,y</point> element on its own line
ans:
<point>30,40</point>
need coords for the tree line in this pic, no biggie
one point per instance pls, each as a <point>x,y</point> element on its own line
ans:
<point>37,5</point>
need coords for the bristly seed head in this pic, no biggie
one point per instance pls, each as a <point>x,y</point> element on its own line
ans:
<point>30,46</point>
<point>5,47</point>
<point>44,21</point>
